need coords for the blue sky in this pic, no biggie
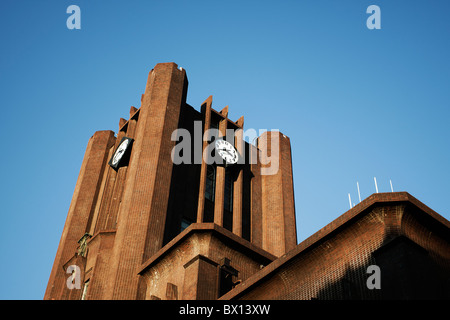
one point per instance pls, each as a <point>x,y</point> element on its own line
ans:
<point>356,103</point>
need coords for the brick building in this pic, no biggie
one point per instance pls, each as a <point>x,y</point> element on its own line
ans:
<point>408,241</point>
<point>220,223</point>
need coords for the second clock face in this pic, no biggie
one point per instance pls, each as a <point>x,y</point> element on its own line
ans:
<point>226,151</point>
<point>120,151</point>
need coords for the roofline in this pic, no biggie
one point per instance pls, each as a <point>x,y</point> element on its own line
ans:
<point>217,231</point>
<point>355,212</point>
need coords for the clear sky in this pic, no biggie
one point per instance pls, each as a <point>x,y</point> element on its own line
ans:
<point>356,103</point>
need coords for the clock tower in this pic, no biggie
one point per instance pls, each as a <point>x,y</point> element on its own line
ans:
<point>143,226</point>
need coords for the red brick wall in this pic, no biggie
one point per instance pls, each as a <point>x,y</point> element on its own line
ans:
<point>134,211</point>
<point>191,262</point>
<point>277,193</point>
<point>81,208</point>
<point>141,221</point>
<point>411,247</point>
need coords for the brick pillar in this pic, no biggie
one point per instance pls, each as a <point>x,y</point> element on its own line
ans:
<point>81,208</point>
<point>142,215</point>
<point>238,187</point>
<point>93,220</point>
<point>256,196</point>
<point>220,182</point>
<point>107,198</point>
<point>99,275</point>
<point>200,279</point>
<point>278,211</point>
<point>206,111</point>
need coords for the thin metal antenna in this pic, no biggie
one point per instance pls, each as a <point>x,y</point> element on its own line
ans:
<point>359,193</point>
<point>390,181</point>
<point>350,200</point>
<point>376,186</point>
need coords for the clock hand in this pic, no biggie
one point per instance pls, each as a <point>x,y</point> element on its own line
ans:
<point>226,151</point>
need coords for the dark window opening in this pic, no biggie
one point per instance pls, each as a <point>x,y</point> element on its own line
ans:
<point>226,274</point>
<point>185,223</point>
<point>228,196</point>
<point>228,201</point>
<point>214,124</point>
<point>210,182</point>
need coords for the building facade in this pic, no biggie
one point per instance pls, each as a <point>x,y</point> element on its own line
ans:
<point>178,205</point>
<point>388,247</point>
<point>146,187</point>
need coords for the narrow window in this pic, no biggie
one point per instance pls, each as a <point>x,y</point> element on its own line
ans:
<point>228,201</point>
<point>85,288</point>
<point>185,223</point>
<point>228,196</point>
<point>210,182</point>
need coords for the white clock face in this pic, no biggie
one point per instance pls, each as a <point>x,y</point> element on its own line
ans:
<point>226,151</point>
<point>120,151</point>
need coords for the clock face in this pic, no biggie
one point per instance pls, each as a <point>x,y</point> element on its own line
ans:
<point>120,151</point>
<point>226,151</point>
